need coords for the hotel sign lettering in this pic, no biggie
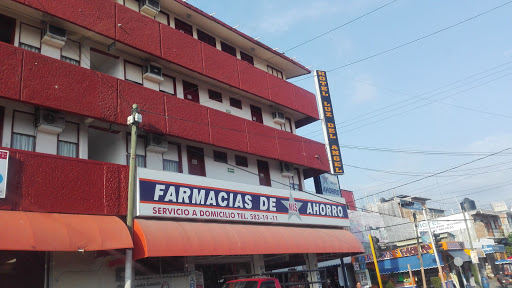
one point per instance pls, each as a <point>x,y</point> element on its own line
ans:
<point>329,125</point>
<point>174,195</point>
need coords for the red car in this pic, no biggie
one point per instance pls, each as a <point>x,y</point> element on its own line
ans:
<point>253,283</point>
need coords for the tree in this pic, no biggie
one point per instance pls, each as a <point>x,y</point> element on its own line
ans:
<point>508,246</point>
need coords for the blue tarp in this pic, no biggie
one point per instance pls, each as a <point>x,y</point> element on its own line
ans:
<point>504,261</point>
<point>400,264</point>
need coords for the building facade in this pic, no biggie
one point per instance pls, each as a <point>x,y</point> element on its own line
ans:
<point>219,122</point>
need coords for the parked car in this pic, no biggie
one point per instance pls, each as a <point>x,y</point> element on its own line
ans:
<point>253,283</point>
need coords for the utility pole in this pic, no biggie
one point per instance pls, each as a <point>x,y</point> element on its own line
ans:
<point>435,249</point>
<point>375,260</point>
<point>133,120</point>
<point>419,250</point>
<point>475,265</point>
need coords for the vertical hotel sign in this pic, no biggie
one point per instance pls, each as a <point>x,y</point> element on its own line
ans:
<point>4,159</point>
<point>329,125</point>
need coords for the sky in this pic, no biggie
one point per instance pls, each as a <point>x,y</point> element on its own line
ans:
<point>447,92</point>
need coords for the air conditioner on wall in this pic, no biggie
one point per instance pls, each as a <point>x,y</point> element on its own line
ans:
<point>54,36</point>
<point>50,122</point>
<point>153,72</point>
<point>278,117</point>
<point>156,143</point>
<point>149,7</point>
<point>286,169</point>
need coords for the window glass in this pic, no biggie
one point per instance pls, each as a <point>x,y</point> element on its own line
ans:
<point>228,48</point>
<point>241,161</point>
<point>30,38</point>
<point>274,72</point>
<point>71,50</point>
<point>233,102</point>
<point>247,58</point>
<point>220,156</point>
<point>171,165</point>
<point>183,27</point>
<point>68,141</point>
<point>133,72</point>
<point>168,85</point>
<point>206,38</point>
<point>67,149</point>
<point>23,142</point>
<point>214,95</point>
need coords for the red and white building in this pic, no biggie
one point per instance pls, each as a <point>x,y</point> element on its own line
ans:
<point>218,137</point>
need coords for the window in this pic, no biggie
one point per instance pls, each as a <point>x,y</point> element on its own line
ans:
<point>246,57</point>
<point>264,173</point>
<point>241,161</point>
<point>7,29</point>
<point>71,52</point>
<point>274,72</point>
<point>172,158</point>
<point>268,284</point>
<point>256,114</point>
<point>228,48</point>
<point>220,156</point>
<point>162,17</point>
<point>206,38</point>
<point>30,38</point>
<point>190,92</point>
<point>23,131</point>
<point>133,72</point>
<point>233,102</point>
<point>140,151</point>
<point>168,85</point>
<point>183,27</point>
<point>214,95</point>
<point>68,141</point>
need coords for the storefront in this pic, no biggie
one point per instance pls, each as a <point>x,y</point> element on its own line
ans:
<point>493,254</point>
<point>220,229</point>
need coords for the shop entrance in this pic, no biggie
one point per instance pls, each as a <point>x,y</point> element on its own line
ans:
<point>213,273</point>
<point>22,269</point>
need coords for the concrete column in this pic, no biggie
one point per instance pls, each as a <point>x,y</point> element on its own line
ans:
<point>258,264</point>
<point>190,264</point>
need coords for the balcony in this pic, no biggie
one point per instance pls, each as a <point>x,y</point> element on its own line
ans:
<point>165,42</point>
<point>43,81</point>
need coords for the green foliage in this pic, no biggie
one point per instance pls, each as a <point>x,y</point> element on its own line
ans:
<point>388,284</point>
<point>436,282</point>
<point>508,247</point>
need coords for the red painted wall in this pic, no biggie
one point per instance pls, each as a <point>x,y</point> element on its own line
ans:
<point>62,86</point>
<point>36,183</point>
<point>150,36</point>
<point>349,199</point>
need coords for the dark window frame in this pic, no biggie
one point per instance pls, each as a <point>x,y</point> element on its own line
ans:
<point>183,26</point>
<point>231,50</point>
<point>174,85</point>
<point>236,103</point>
<point>246,58</point>
<point>275,72</point>
<point>206,38</point>
<point>219,156</point>
<point>141,69</point>
<point>214,95</point>
<point>13,31</point>
<point>241,161</point>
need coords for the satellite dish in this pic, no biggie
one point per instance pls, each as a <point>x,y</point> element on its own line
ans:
<point>458,261</point>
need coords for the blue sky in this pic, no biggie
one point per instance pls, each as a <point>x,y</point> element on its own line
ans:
<point>472,115</point>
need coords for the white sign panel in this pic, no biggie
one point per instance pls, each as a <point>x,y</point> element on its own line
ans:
<point>4,161</point>
<point>444,224</point>
<point>328,185</point>
<point>174,195</point>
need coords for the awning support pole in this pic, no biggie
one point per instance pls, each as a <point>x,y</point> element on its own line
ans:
<point>419,249</point>
<point>128,268</point>
<point>441,276</point>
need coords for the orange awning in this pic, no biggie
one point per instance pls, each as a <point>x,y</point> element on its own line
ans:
<point>34,231</point>
<point>155,238</point>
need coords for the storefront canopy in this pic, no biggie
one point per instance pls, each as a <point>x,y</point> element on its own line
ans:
<point>401,264</point>
<point>461,254</point>
<point>33,231</point>
<point>157,238</point>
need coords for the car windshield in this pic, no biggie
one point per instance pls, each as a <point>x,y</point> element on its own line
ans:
<point>241,284</point>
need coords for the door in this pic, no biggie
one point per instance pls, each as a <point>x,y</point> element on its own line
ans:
<point>264,173</point>
<point>195,158</point>
<point>256,114</point>
<point>7,27</point>
<point>190,92</point>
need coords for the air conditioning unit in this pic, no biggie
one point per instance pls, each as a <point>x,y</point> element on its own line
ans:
<point>156,143</point>
<point>149,7</point>
<point>50,122</point>
<point>286,169</point>
<point>278,117</point>
<point>54,36</point>
<point>153,72</point>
